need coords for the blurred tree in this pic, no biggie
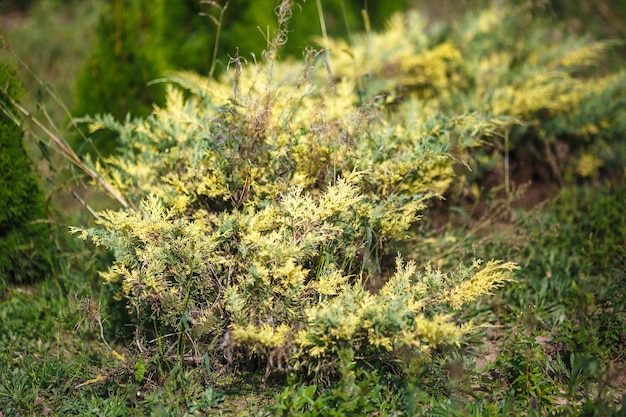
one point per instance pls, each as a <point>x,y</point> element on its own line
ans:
<point>24,245</point>
<point>115,79</point>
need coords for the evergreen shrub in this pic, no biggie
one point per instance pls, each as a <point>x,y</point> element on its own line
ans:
<point>557,87</point>
<point>24,235</point>
<point>140,41</point>
<point>265,208</point>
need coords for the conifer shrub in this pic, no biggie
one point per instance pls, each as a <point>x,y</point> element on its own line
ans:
<point>557,87</point>
<point>24,235</point>
<point>140,41</point>
<point>265,208</point>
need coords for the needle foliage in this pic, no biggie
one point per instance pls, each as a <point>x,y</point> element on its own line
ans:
<point>266,205</point>
<point>263,206</point>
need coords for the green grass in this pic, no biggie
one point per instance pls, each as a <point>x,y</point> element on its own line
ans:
<point>42,356</point>
<point>561,326</point>
<point>51,352</point>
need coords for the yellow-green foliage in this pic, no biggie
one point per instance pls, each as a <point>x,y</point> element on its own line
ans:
<point>500,62</point>
<point>263,203</point>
